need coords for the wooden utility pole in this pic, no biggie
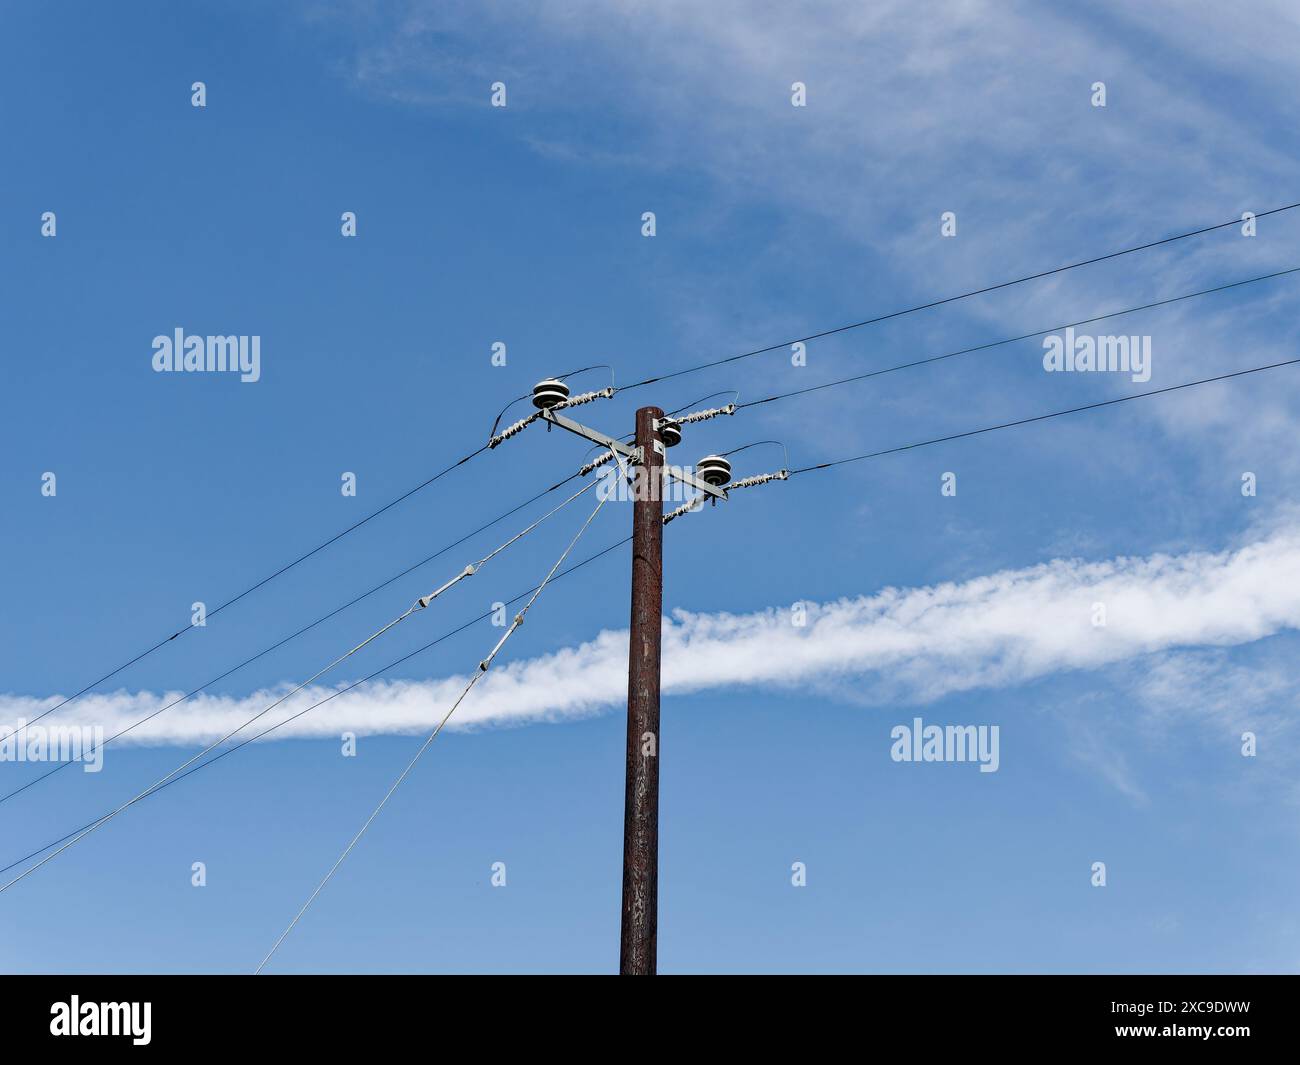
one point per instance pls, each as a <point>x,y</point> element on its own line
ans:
<point>639,932</point>
<point>638,943</point>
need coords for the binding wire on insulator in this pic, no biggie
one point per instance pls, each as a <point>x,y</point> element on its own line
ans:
<point>732,392</point>
<point>585,397</point>
<point>596,464</point>
<point>511,430</point>
<point>552,393</point>
<point>685,508</point>
<point>670,427</point>
<point>745,482</point>
<point>757,479</point>
<point>715,470</point>
<point>700,415</point>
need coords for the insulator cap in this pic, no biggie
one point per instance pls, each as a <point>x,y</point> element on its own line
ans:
<point>714,470</point>
<point>670,433</point>
<point>548,393</point>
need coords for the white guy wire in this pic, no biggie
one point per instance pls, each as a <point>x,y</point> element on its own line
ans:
<point>482,669</point>
<point>474,567</point>
<point>419,604</point>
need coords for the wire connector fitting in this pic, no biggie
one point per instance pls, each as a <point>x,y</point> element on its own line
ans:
<point>702,415</point>
<point>596,464</point>
<point>511,430</point>
<point>685,508</point>
<point>425,600</point>
<point>585,397</point>
<point>760,478</point>
<point>524,423</point>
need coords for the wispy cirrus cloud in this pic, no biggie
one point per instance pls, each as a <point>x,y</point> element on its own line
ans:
<point>978,107</point>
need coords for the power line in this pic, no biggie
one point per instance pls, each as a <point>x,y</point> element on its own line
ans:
<point>1012,340</point>
<point>482,669</point>
<point>804,469</point>
<point>265,580</point>
<point>640,829</point>
<point>651,380</point>
<point>287,639</point>
<point>177,776</point>
<point>419,604</point>
<point>953,299</point>
<point>558,377</point>
<point>422,603</point>
<point>1045,417</point>
<point>333,695</point>
<point>184,765</point>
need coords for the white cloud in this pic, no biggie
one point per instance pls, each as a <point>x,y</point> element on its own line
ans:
<point>912,645</point>
<point>978,107</point>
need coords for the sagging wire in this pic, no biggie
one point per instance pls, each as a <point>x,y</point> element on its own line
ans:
<point>702,415</point>
<point>325,699</point>
<point>697,503</point>
<point>419,604</point>
<point>483,667</point>
<point>60,766</point>
<point>558,377</point>
<point>759,443</point>
<point>732,392</point>
<point>524,423</point>
<point>474,567</point>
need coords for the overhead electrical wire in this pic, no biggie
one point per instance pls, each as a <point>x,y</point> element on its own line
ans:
<point>1045,417</point>
<point>265,580</point>
<point>953,299</point>
<point>333,695</point>
<point>57,767</point>
<point>418,605</point>
<point>558,377</point>
<point>651,380</point>
<point>1012,340</point>
<point>177,776</point>
<point>483,667</point>
<point>785,474</point>
<point>740,406</point>
<point>732,392</point>
<point>663,377</point>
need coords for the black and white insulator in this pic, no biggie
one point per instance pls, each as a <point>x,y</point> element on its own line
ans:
<point>714,470</point>
<point>549,393</point>
<point>670,433</point>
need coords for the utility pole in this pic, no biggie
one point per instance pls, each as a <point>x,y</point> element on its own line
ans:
<point>639,931</point>
<point>638,942</point>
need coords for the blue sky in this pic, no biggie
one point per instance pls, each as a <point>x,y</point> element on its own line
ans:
<point>523,225</point>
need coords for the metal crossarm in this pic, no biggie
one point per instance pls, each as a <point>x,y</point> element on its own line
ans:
<point>628,452</point>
